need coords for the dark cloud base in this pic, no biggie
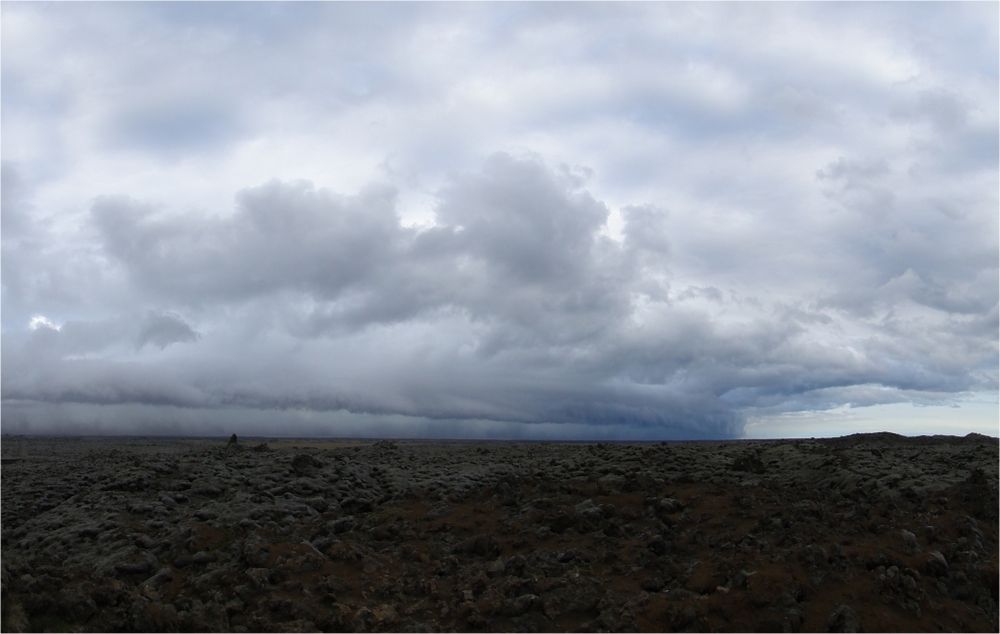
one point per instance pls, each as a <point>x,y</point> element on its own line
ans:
<point>74,419</point>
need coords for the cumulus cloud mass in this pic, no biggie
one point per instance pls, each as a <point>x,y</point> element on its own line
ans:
<point>544,221</point>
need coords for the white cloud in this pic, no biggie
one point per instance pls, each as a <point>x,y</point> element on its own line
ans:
<point>41,321</point>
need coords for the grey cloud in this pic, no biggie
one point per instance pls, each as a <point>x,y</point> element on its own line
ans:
<point>943,109</point>
<point>539,328</point>
<point>646,228</point>
<point>164,329</point>
<point>12,189</point>
<point>42,272</point>
<point>709,292</point>
<point>90,340</point>
<point>15,223</point>
<point>100,383</point>
<point>513,243</point>
<point>958,136</point>
<point>520,220</point>
<point>851,172</point>
<point>783,209</point>
<point>544,317</point>
<point>280,236</point>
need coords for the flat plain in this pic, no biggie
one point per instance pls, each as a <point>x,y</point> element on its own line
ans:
<point>873,532</point>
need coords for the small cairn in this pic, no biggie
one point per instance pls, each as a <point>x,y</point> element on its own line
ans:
<point>233,444</point>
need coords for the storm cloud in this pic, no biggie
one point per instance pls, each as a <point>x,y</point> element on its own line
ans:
<point>519,221</point>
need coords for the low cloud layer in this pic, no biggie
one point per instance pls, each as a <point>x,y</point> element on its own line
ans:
<point>673,242</point>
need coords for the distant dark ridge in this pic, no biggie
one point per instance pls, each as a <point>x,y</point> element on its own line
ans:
<point>974,437</point>
<point>887,437</point>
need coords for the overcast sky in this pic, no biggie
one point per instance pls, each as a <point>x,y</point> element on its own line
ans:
<point>508,220</point>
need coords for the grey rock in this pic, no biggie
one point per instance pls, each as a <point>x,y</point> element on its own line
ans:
<point>521,605</point>
<point>134,568</point>
<point>611,481</point>
<point>88,530</point>
<point>203,557</point>
<point>162,576</point>
<point>814,555</point>
<point>305,464</point>
<point>843,618</point>
<point>318,503</point>
<point>357,505</point>
<point>480,545</point>
<point>144,541</point>
<point>909,541</point>
<point>935,564</point>
<point>658,545</point>
<point>669,505</point>
<point>587,510</point>
<point>652,584</point>
<point>343,524</point>
<point>205,514</point>
<point>496,567</point>
<point>260,577</point>
<point>207,489</point>
<point>748,461</point>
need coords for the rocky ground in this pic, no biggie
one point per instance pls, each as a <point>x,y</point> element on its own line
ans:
<point>863,533</point>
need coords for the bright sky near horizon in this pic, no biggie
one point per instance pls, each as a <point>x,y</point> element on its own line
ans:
<point>516,220</point>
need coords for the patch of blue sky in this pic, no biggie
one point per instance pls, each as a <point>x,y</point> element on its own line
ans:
<point>169,129</point>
